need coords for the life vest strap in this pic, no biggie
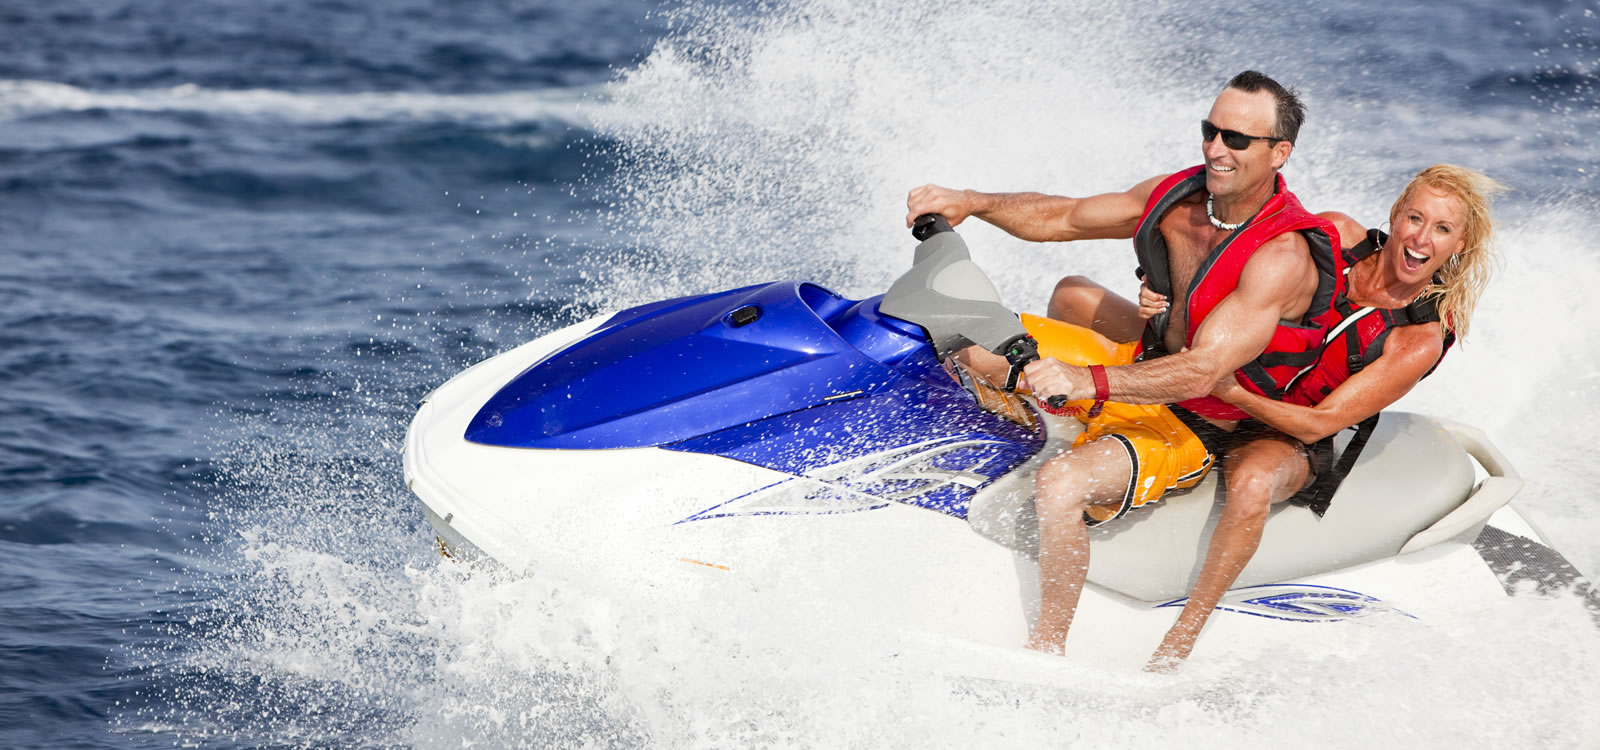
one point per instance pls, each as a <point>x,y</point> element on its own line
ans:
<point>1288,359</point>
<point>1319,494</point>
<point>1257,373</point>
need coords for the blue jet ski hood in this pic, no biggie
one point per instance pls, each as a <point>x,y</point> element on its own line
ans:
<point>673,370</point>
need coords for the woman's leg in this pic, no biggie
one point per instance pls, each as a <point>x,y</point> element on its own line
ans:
<point>1082,302</point>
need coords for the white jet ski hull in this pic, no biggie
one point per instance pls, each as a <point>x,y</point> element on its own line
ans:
<point>705,528</point>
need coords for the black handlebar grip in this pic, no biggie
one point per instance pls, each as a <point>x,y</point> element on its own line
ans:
<point>928,225</point>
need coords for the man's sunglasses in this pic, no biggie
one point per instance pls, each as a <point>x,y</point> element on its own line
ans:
<point>1233,139</point>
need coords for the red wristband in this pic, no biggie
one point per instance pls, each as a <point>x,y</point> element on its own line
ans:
<point>1102,389</point>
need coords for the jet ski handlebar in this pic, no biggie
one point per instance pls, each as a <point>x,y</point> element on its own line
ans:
<point>955,302</point>
<point>928,225</point>
<point>1021,352</point>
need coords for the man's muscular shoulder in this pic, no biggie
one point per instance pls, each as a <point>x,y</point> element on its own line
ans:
<point>1289,247</point>
<point>1142,192</point>
<point>1281,270</point>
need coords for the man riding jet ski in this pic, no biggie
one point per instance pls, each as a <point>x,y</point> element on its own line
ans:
<point>1252,272</point>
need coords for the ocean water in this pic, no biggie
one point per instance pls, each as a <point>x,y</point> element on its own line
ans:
<point>239,242</point>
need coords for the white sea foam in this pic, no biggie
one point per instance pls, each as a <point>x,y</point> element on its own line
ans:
<point>26,98</point>
<point>437,654</point>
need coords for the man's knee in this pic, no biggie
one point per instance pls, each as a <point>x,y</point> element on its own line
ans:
<point>1076,479</point>
<point>1077,285</point>
<point>1059,490</point>
<point>1083,302</point>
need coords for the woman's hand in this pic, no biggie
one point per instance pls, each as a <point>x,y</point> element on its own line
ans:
<point>1150,303</point>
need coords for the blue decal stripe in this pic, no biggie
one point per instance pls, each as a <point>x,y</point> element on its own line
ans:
<point>921,440</point>
<point>1284,602</point>
<point>702,514</point>
<point>702,517</point>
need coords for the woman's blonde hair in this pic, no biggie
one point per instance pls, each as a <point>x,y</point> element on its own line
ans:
<point>1464,276</point>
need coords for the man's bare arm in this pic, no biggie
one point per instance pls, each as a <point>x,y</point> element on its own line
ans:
<point>1038,217</point>
<point>1236,331</point>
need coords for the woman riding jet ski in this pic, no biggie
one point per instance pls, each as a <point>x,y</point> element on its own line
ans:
<point>814,450</point>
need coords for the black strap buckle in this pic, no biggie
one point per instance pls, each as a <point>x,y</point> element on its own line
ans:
<point>1020,352</point>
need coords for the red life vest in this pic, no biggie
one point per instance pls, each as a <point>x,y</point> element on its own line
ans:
<point>1355,341</point>
<point>1294,345</point>
<point>1357,338</point>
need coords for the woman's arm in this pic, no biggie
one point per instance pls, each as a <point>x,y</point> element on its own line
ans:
<point>1407,356</point>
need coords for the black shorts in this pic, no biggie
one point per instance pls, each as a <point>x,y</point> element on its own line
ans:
<point>1319,456</point>
<point>1217,440</point>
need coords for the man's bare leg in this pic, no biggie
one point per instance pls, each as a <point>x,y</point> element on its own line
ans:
<point>991,366</point>
<point>1259,474</point>
<point>1082,302</point>
<point>1092,474</point>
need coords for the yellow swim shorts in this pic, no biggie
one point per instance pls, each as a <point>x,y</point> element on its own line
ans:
<point>1165,454</point>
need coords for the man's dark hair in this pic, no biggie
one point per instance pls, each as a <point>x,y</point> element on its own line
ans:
<point>1290,111</point>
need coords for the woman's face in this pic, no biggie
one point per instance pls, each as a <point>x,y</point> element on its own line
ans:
<point>1430,229</point>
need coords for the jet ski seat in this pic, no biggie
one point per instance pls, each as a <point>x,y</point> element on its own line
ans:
<point>1412,474</point>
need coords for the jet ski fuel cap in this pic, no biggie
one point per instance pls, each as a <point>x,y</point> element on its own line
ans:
<point>744,316</point>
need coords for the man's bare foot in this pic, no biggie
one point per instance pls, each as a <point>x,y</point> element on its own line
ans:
<point>1160,664</point>
<point>1045,646</point>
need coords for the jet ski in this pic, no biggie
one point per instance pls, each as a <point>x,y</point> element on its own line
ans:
<point>783,441</point>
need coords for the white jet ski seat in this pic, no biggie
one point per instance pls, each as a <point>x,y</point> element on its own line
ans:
<point>1412,487</point>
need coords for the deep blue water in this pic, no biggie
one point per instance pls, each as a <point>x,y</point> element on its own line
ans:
<point>240,240</point>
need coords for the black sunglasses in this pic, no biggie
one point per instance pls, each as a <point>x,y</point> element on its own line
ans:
<point>1233,139</point>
